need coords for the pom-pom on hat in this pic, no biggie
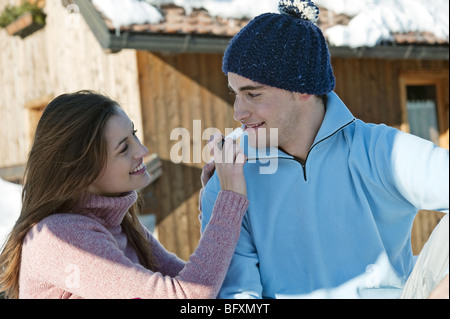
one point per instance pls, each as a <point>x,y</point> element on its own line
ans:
<point>287,50</point>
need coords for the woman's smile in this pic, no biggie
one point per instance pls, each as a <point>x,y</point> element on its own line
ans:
<point>139,170</point>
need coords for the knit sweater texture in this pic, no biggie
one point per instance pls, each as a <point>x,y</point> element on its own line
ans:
<point>85,254</point>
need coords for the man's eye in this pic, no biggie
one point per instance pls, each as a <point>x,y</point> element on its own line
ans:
<point>253,95</point>
<point>125,149</point>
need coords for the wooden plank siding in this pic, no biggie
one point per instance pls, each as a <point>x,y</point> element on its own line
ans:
<point>57,59</point>
<point>371,87</point>
<point>178,89</point>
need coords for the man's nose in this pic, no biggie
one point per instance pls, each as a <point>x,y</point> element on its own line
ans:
<point>241,111</point>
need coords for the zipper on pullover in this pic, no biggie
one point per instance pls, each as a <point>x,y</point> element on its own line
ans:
<point>303,163</point>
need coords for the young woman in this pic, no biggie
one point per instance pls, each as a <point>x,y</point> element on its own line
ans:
<point>78,235</point>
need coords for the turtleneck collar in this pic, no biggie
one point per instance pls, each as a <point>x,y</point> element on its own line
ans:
<point>108,211</point>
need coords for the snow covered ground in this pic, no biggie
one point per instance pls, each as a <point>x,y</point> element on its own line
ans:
<point>372,21</point>
<point>10,205</point>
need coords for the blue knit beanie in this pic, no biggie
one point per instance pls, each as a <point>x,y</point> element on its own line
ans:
<point>287,50</point>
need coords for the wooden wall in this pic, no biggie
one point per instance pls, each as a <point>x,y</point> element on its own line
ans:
<point>372,90</point>
<point>62,57</point>
<point>177,89</point>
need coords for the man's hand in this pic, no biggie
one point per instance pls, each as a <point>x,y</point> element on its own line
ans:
<point>207,172</point>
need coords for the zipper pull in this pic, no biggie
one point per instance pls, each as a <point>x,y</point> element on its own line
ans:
<point>304,170</point>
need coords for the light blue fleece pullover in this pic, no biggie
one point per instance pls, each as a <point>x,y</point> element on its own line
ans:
<point>338,226</point>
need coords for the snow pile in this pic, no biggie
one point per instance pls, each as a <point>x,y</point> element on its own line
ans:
<point>127,12</point>
<point>235,9</point>
<point>10,205</point>
<point>373,21</point>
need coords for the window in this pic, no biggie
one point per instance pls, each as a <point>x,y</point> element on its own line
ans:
<point>422,113</point>
<point>425,105</point>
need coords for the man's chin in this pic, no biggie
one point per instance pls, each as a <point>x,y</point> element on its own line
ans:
<point>260,144</point>
<point>260,140</point>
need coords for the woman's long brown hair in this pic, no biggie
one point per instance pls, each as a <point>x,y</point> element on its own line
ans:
<point>68,154</point>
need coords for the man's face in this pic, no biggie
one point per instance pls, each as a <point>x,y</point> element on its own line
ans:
<point>261,108</point>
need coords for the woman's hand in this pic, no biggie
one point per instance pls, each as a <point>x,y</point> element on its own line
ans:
<point>229,162</point>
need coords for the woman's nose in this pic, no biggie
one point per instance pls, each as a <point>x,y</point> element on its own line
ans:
<point>141,150</point>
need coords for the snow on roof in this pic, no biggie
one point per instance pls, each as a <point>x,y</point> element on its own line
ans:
<point>10,205</point>
<point>127,12</point>
<point>372,21</point>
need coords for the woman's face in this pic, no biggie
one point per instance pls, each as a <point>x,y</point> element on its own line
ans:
<point>125,170</point>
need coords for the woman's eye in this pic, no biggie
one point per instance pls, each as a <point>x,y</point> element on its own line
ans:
<point>125,149</point>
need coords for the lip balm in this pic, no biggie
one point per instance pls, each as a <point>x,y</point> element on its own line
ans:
<point>237,133</point>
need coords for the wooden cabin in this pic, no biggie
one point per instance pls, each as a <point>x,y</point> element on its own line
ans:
<point>168,76</point>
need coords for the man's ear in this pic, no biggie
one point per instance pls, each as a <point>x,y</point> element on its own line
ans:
<point>303,96</point>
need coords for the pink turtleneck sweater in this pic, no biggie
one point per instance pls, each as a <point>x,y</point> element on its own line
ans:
<point>85,254</point>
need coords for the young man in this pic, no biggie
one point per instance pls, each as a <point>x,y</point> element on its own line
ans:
<point>334,219</point>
